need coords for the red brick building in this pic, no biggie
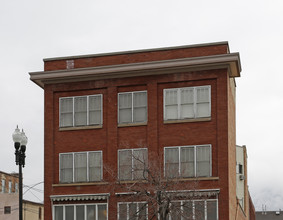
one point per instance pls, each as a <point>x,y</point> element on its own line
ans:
<point>176,104</point>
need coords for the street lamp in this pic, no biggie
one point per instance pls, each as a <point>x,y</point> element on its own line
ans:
<point>20,142</point>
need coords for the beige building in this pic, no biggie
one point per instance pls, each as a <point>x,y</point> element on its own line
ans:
<point>241,177</point>
<point>9,200</point>
<point>32,210</point>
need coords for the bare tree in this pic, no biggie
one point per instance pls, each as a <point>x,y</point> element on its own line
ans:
<point>153,191</point>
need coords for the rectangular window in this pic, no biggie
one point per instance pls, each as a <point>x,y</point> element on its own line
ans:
<point>132,211</point>
<point>187,161</point>
<point>132,163</point>
<point>239,168</point>
<point>7,210</point>
<point>194,209</point>
<point>132,107</point>
<point>16,187</point>
<point>81,167</point>
<point>3,185</point>
<point>39,213</point>
<point>187,103</point>
<point>10,186</point>
<point>81,111</point>
<point>80,212</point>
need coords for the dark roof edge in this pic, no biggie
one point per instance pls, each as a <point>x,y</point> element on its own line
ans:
<point>138,51</point>
<point>32,202</point>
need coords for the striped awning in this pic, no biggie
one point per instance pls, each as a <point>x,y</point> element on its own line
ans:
<point>195,193</point>
<point>79,197</point>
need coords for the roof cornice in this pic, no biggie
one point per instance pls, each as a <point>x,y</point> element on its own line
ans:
<point>139,51</point>
<point>230,61</point>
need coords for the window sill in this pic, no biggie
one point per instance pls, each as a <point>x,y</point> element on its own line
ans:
<point>186,120</point>
<point>131,181</point>
<point>80,184</point>
<point>132,124</point>
<point>173,180</point>
<point>80,128</point>
<point>193,179</point>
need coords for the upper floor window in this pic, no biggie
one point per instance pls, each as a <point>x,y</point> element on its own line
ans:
<point>188,161</point>
<point>3,186</point>
<point>132,107</point>
<point>187,102</point>
<point>81,111</point>
<point>81,166</point>
<point>132,210</point>
<point>10,186</point>
<point>132,164</point>
<point>16,187</point>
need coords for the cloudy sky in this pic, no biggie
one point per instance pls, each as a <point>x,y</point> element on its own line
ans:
<point>31,30</point>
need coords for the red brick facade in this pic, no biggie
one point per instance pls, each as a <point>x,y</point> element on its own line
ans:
<point>218,130</point>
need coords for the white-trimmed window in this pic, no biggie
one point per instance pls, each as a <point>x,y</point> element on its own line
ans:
<point>16,187</point>
<point>187,103</point>
<point>132,163</point>
<point>3,185</point>
<point>81,111</point>
<point>187,161</point>
<point>81,167</point>
<point>132,211</point>
<point>80,212</point>
<point>194,209</point>
<point>132,107</point>
<point>10,187</point>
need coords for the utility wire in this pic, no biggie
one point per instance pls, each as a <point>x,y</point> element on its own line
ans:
<point>32,187</point>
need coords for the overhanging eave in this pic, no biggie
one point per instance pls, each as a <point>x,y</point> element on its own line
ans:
<point>229,61</point>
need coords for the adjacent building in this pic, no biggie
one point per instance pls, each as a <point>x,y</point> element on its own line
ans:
<point>105,112</point>
<point>269,215</point>
<point>9,200</point>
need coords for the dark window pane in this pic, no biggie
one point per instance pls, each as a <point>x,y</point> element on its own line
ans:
<point>102,212</point>
<point>80,212</point>
<point>58,213</point>
<point>211,210</point>
<point>122,211</point>
<point>199,210</point>
<point>69,212</point>
<point>133,211</point>
<point>187,208</point>
<point>91,214</point>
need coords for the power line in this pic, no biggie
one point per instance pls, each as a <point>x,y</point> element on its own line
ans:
<point>32,187</point>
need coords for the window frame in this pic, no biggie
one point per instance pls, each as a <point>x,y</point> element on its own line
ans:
<point>132,162</point>
<point>79,204</point>
<point>132,107</point>
<point>88,110</point>
<point>3,184</point>
<point>16,187</point>
<point>195,160</point>
<point>128,203</point>
<point>7,210</point>
<point>73,162</point>
<point>179,102</point>
<point>193,207</point>
<point>10,186</point>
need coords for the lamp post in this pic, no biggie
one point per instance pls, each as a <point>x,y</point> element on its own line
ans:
<point>20,142</point>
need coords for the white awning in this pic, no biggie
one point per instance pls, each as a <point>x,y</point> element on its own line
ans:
<point>195,193</point>
<point>79,197</point>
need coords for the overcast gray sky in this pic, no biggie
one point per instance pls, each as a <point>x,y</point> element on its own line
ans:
<point>31,30</point>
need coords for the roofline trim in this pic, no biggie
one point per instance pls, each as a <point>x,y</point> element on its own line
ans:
<point>230,61</point>
<point>137,51</point>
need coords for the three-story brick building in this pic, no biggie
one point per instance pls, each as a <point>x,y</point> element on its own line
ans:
<point>102,111</point>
